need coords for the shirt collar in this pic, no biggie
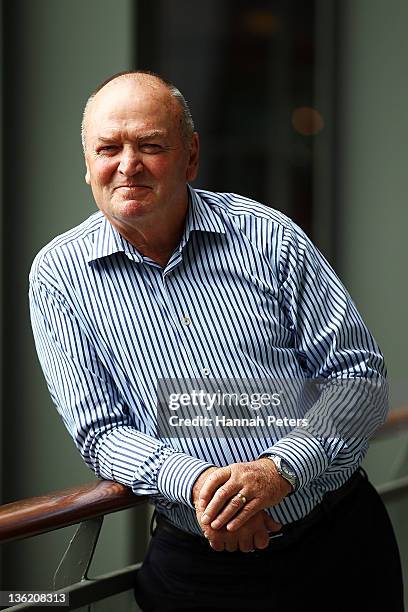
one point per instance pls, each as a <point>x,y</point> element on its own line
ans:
<point>108,241</point>
<point>200,217</point>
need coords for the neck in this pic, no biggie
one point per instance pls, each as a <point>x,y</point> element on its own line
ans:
<point>155,238</point>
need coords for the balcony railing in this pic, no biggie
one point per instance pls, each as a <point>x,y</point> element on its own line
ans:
<point>87,505</point>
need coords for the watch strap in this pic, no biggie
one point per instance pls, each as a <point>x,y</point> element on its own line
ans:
<point>284,470</point>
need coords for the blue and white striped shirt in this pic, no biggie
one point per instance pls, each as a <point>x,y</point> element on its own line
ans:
<point>245,294</point>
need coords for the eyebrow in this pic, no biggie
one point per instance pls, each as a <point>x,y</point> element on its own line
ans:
<point>144,136</point>
<point>152,134</point>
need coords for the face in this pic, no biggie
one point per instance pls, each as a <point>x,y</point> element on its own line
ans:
<point>137,161</point>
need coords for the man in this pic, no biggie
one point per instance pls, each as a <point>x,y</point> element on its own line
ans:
<point>170,283</point>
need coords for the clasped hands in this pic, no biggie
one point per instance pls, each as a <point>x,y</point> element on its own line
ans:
<point>230,503</point>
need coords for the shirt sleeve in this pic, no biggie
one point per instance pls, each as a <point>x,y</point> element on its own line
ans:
<point>100,423</point>
<point>343,366</point>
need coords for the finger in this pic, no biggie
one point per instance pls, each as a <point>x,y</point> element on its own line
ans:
<point>224,499</point>
<point>272,525</point>
<point>246,543</point>
<point>217,545</point>
<point>212,534</point>
<point>198,512</point>
<point>235,505</point>
<point>249,510</point>
<point>261,539</point>
<point>231,544</point>
<point>212,483</point>
<point>225,496</point>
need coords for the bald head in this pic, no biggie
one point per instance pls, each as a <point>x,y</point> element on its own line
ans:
<point>168,93</point>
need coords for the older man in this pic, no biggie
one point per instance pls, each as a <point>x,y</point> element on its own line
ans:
<point>169,283</point>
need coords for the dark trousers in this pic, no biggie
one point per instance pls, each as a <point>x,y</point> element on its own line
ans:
<point>346,561</point>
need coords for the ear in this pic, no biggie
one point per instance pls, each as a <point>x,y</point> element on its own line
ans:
<point>192,168</point>
<point>87,174</point>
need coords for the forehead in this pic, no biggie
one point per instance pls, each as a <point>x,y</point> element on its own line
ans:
<point>133,104</point>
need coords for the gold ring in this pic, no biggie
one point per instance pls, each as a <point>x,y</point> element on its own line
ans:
<point>242,498</point>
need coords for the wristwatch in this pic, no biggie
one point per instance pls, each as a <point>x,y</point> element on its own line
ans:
<point>284,470</point>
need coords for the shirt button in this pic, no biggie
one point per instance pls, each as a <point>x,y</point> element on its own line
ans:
<point>186,320</point>
<point>206,371</point>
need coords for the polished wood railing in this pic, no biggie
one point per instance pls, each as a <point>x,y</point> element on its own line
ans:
<point>29,517</point>
<point>86,505</point>
<point>397,420</point>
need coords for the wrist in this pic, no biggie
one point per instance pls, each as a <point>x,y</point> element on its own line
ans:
<point>285,472</point>
<point>197,486</point>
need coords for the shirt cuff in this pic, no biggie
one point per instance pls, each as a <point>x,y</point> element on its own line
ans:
<point>305,455</point>
<point>177,475</point>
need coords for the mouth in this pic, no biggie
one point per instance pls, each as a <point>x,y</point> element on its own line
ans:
<point>132,187</point>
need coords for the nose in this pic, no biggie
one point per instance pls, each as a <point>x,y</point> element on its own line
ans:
<point>130,162</point>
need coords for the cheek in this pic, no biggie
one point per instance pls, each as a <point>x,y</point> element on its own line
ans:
<point>157,166</point>
<point>102,172</point>
<point>165,170</point>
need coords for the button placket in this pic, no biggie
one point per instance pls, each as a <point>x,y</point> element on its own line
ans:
<point>180,320</point>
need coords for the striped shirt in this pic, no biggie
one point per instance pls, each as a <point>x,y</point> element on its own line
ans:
<point>245,293</point>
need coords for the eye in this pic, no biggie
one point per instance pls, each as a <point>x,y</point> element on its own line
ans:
<point>107,149</point>
<point>150,147</point>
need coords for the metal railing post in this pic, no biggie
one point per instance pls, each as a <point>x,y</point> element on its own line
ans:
<point>77,558</point>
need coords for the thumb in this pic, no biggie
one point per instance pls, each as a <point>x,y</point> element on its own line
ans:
<point>215,480</point>
<point>272,525</point>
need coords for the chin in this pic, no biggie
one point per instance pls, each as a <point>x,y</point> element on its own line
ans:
<point>131,209</point>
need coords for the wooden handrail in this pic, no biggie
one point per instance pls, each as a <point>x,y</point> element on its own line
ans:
<point>35,515</point>
<point>397,420</point>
